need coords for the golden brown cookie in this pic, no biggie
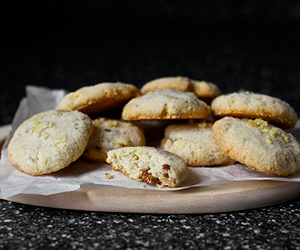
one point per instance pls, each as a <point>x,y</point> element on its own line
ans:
<point>100,98</point>
<point>166,104</point>
<point>150,165</point>
<point>251,105</point>
<point>258,145</point>
<point>110,134</point>
<point>195,144</point>
<point>206,91</point>
<point>49,141</point>
<point>179,83</point>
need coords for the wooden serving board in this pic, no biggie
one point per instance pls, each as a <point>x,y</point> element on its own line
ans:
<point>232,196</point>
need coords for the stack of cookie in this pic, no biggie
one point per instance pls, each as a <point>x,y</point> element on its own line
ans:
<point>185,104</point>
<point>81,127</point>
<point>252,131</point>
<point>193,123</point>
<point>218,129</point>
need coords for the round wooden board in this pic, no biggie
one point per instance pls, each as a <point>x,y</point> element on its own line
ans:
<point>227,197</point>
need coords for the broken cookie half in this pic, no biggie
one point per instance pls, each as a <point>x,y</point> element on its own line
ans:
<point>149,164</point>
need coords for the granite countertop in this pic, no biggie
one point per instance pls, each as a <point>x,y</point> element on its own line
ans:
<point>28,227</point>
<point>244,46</point>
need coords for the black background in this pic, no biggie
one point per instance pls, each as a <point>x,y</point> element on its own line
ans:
<point>252,45</point>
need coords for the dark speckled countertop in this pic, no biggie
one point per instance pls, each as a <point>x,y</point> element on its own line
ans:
<point>28,227</point>
<point>252,46</point>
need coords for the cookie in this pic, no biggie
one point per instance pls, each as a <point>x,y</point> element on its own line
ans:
<point>251,105</point>
<point>49,141</point>
<point>179,83</point>
<point>195,144</point>
<point>110,134</point>
<point>258,145</point>
<point>99,99</point>
<point>166,104</point>
<point>150,165</point>
<point>206,91</point>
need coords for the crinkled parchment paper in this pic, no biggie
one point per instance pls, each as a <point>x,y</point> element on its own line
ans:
<point>38,99</point>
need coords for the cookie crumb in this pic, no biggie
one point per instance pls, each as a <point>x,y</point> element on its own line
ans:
<point>159,185</point>
<point>107,176</point>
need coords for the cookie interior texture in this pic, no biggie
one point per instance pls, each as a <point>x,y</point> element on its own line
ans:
<point>149,164</point>
<point>251,105</point>
<point>49,141</point>
<point>258,145</point>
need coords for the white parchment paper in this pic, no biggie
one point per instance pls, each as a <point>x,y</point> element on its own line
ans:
<point>38,99</point>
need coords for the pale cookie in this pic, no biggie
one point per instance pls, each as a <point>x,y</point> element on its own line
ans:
<point>250,105</point>
<point>150,165</point>
<point>111,134</point>
<point>204,90</point>
<point>49,141</point>
<point>100,98</point>
<point>179,83</point>
<point>258,145</point>
<point>195,144</point>
<point>166,104</point>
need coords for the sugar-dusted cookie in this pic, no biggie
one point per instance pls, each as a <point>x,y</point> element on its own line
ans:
<point>149,164</point>
<point>110,134</point>
<point>258,145</point>
<point>179,83</point>
<point>195,144</point>
<point>251,105</point>
<point>100,98</point>
<point>49,141</point>
<point>166,104</point>
<point>206,91</point>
